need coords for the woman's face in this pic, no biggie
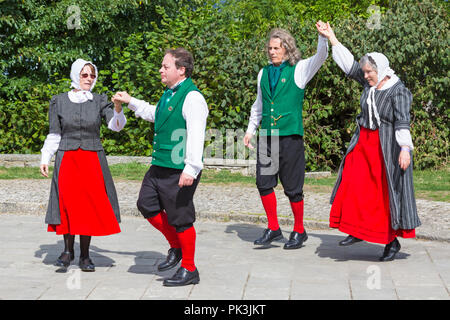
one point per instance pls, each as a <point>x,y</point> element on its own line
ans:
<point>87,78</point>
<point>370,75</point>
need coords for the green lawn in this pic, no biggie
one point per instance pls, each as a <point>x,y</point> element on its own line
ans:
<point>428,184</point>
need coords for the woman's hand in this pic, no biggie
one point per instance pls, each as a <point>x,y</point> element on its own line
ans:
<point>404,159</point>
<point>117,105</point>
<point>247,138</point>
<point>44,170</point>
<point>326,31</point>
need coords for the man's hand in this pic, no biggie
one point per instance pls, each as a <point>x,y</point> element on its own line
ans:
<point>121,97</point>
<point>185,180</point>
<point>326,31</point>
<point>247,138</point>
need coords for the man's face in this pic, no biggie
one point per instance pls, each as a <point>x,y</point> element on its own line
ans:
<point>170,75</point>
<point>276,51</point>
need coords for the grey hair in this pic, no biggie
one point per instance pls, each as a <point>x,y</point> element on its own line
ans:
<point>287,42</point>
<point>366,59</point>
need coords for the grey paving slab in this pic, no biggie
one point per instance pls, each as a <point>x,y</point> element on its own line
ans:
<point>231,267</point>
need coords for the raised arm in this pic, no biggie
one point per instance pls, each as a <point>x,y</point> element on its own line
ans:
<point>342,56</point>
<point>141,108</point>
<point>307,68</point>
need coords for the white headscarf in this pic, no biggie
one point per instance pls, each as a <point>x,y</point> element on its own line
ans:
<point>82,95</point>
<point>383,70</point>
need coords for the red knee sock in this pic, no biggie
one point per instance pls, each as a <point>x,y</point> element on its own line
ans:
<point>187,241</point>
<point>161,223</point>
<point>270,206</point>
<point>297,210</point>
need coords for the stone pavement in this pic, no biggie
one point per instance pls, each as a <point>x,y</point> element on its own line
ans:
<point>221,203</point>
<point>231,267</point>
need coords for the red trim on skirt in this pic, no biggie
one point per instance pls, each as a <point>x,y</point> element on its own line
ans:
<point>84,205</point>
<point>361,205</point>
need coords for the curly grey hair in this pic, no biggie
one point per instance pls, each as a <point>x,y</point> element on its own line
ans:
<point>287,42</point>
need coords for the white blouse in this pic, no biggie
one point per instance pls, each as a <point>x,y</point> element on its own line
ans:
<point>344,59</point>
<point>51,143</point>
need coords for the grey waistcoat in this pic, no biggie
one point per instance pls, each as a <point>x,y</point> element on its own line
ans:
<point>79,127</point>
<point>79,123</point>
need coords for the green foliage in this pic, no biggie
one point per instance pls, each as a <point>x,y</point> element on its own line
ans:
<point>127,41</point>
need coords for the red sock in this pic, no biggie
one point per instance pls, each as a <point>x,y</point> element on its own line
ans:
<point>161,223</point>
<point>187,241</point>
<point>270,206</point>
<point>297,210</point>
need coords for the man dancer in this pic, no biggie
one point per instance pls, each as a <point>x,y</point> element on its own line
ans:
<point>278,108</point>
<point>166,195</point>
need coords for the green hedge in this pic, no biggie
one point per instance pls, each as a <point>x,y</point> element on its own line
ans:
<point>228,57</point>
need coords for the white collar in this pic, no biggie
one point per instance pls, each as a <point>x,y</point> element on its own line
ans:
<point>80,96</point>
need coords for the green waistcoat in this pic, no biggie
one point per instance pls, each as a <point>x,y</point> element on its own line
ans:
<point>169,143</point>
<point>283,109</point>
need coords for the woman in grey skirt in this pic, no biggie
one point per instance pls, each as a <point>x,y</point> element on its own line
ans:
<point>373,198</point>
<point>83,199</point>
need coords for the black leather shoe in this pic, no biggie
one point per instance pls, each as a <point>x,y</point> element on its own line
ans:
<point>173,257</point>
<point>182,277</point>
<point>86,265</point>
<point>269,236</point>
<point>349,241</point>
<point>296,240</point>
<point>390,250</point>
<point>64,259</point>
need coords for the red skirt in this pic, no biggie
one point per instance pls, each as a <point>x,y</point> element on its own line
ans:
<point>361,205</point>
<point>84,205</point>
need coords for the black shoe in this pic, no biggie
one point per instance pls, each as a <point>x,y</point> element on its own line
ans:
<point>173,257</point>
<point>390,250</point>
<point>182,277</point>
<point>296,240</point>
<point>86,265</point>
<point>349,241</point>
<point>269,236</point>
<point>64,259</point>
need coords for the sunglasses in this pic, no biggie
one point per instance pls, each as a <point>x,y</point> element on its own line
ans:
<point>85,75</point>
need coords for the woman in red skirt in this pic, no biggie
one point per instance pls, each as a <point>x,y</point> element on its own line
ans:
<point>83,199</point>
<point>373,199</point>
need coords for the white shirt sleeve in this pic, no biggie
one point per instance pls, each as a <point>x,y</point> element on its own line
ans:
<point>142,109</point>
<point>51,145</point>
<point>256,111</point>
<point>117,122</point>
<point>343,57</point>
<point>306,69</point>
<point>195,111</point>
<point>403,138</point>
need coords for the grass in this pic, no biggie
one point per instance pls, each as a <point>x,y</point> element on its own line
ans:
<point>428,184</point>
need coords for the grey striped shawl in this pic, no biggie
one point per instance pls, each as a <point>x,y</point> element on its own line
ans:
<point>393,106</point>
